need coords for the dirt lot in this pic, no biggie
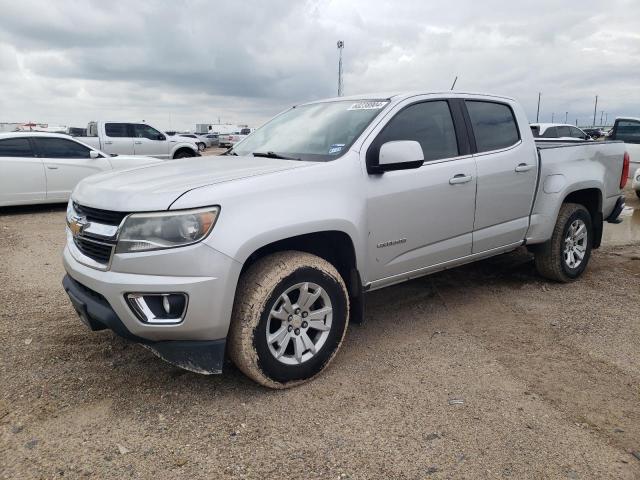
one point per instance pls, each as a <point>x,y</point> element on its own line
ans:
<point>485,371</point>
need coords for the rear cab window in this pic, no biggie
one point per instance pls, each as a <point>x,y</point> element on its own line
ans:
<point>494,125</point>
<point>15,147</point>
<point>628,131</point>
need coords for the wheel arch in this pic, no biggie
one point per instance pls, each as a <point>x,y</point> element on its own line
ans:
<point>183,149</point>
<point>335,246</point>
<point>591,199</point>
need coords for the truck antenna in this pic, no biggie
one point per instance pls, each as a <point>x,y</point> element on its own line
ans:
<point>454,82</point>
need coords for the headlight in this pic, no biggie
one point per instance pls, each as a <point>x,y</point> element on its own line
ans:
<point>155,231</point>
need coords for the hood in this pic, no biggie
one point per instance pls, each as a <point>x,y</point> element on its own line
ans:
<point>156,187</point>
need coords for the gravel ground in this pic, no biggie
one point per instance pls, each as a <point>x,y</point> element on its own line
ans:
<point>485,371</point>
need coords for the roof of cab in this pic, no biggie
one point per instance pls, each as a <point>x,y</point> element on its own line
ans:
<point>399,96</point>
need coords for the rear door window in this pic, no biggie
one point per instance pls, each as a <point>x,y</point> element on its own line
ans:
<point>628,131</point>
<point>550,132</point>
<point>494,125</point>
<point>15,147</point>
<point>428,123</point>
<point>563,131</point>
<point>117,130</point>
<point>60,148</point>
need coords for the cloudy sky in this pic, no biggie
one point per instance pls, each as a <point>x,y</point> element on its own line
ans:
<point>177,63</point>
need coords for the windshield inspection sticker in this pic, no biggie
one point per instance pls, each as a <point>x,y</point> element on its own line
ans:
<point>336,148</point>
<point>367,106</point>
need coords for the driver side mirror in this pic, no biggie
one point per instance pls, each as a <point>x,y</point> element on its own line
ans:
<point>94,154</point>
<point>161,137</point>
<point>396,155</point>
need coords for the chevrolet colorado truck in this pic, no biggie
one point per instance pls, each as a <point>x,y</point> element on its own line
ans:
<point>265,255</point>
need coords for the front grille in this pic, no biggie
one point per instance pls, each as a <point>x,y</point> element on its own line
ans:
<point>96,215</point>
<point>98,251</point>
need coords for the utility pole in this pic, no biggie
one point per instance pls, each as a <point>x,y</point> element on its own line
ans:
<point>340,48</point>
<point>595,110</point>
<point>538,114</point>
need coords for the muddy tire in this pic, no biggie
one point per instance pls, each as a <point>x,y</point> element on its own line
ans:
<point>566,255</point>
<point>183,154</point>
<point>289,318</point>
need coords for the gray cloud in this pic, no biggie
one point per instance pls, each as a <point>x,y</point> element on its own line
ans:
<point>189,61</point>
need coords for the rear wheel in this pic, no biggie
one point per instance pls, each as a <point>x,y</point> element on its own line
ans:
<point>289,318</point>
<point>566,255</point>
<point>638,193</point>
<point>201,147</point>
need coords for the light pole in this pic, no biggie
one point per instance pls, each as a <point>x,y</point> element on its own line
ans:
<point>553,116</point>
<point>595,110</point>
<point>340,48</point>
<point>566,116</point>
<point>538,114</point>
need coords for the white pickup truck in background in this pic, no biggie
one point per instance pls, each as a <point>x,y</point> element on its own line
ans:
<point>123,138</point>
<point>229,140</point>
<point>267,252</point>
<point>627,130</point>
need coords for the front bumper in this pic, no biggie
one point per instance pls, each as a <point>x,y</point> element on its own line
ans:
<point>205,356</point>
<point>205,275</point>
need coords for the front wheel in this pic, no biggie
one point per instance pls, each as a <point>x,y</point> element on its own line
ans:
<point>566,255</point>
<point>289,319</point>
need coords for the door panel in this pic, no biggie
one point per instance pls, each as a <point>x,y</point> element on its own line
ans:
<point>66,163</point>
<point>418,219</point>
<point>22,178</point>
<point>118,139</point>
<point>507,175</point>
<point>146,141</point>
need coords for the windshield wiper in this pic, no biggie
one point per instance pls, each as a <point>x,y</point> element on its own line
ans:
<point>230,152</point>
<point>273,155</point>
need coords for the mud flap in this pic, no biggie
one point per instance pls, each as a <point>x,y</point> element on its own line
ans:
<point>204,357</point>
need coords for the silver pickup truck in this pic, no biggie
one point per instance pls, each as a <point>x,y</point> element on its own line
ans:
<point>266,253</point>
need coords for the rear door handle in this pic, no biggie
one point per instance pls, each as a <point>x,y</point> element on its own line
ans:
<point>459,178</point>
<point>523,167</point>
<point>108,143</point>
<point>138,143</point>
<point>50,167</point>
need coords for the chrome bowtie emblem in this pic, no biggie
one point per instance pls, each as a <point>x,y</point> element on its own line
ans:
<point>76,225</point>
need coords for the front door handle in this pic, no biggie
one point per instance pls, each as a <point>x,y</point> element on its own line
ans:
<point>108,143</point>
<point>50,167</point>
<point>523,167</point>
<point>460,178</point>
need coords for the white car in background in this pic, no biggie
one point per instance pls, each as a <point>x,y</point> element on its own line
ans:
<point>45,167</point>
<point>558,131</point>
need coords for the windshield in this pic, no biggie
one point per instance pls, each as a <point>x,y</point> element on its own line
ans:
<point>317,132</point>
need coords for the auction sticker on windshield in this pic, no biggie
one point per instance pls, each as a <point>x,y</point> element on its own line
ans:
<point>336,148</point>
<point>367,106</point>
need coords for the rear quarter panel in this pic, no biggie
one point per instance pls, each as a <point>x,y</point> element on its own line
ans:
<point>567,169</point>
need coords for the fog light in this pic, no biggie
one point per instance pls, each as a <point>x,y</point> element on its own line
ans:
<point>158,308</point>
